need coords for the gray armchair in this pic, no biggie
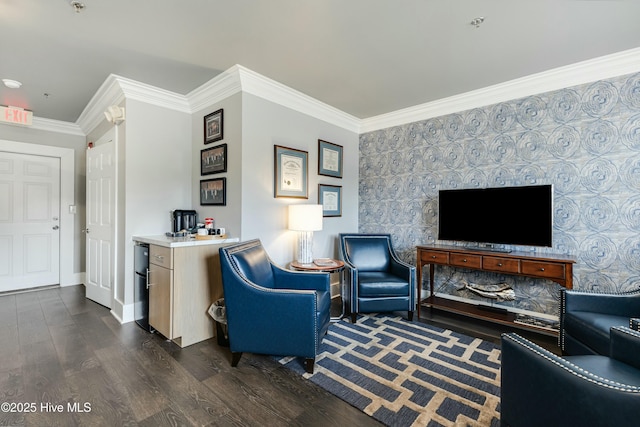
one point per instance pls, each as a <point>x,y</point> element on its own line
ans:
<point>377,281</point>
<point>586,317</point>
<point>539,388</point>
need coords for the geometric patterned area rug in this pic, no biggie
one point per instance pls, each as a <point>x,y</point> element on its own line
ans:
<point>408,373</point>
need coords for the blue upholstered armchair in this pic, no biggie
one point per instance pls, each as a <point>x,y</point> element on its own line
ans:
<point>271,310</point>
<point>377,281</point>
<point>586,317</point>
<point>539,388</point>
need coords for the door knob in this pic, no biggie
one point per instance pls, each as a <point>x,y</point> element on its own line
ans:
<point>55,227</point>
<point>85,230</point>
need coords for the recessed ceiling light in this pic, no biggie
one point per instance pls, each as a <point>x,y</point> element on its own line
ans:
<point>11,84</point>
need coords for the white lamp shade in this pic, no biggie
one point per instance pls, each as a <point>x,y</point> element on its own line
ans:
<point>305,217</point>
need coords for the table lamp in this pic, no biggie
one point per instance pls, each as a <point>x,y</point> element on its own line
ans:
<point>305,219</point>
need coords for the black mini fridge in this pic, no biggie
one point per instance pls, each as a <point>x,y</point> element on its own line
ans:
<point>141,289</point>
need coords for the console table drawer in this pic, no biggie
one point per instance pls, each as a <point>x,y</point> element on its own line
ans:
<point>507,265</point>
<point>469,261</point>
<point>543,269</point>
<point>435,257</point>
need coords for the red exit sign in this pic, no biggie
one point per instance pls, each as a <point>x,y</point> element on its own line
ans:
<point>16,115</point>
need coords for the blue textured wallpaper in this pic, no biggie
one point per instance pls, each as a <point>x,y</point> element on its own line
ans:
<point>585,140</point>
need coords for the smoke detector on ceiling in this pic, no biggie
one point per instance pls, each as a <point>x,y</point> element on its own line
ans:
<point>477,21</point>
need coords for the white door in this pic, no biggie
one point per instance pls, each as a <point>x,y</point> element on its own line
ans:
<point>29,221</point>
<point>100,222</point>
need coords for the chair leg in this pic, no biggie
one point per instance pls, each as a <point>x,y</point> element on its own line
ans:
<point>354,317</point>
<point>235,358</point>
<point>410,316</point>
<point>308,365</point>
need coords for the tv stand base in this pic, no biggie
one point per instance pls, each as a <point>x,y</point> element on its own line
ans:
<point>558,268</point>
<point>493,309</point>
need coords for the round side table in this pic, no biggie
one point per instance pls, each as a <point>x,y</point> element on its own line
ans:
<point>325,265</point>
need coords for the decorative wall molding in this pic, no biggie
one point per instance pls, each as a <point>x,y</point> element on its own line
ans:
<point>116,89</point>
<point>271,90</point>
<point>56,126</point>
<point>604,67</point>
<point>236,79</point>
<point>215,90</point>
<point>109,93</point>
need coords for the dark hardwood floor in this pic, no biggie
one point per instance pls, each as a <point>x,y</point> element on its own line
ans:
<point>65,360</point>
<point>59,348</point>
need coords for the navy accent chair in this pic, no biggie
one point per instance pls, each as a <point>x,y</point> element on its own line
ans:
<point>586,317</point>
<point>539,388</point>
<point>376,279</point>
<point>271,310</point>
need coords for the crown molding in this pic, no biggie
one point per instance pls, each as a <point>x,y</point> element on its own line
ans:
<point>604,67</point>
<point>271,90</point>
<point>153,95</point>
<point>237,78</point>
<point>109,93</point>
<point>215,90</point>
<point>57,126</point>
<point>116,89</point>
<point>241,79</point>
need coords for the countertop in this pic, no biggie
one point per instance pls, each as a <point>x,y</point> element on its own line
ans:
<point>176,242</point>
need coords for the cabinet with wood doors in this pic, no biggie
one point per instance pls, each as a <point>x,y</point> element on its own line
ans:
<point>184,280</point>
<point>558,268</point>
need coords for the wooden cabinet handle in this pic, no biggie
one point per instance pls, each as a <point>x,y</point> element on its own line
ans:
<point>499,264</point>
<point>464,260</point>
<point>433,257</point>
<point>541,268</point>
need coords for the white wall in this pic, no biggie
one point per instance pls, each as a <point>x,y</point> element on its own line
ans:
<point>265,124</point>
<point>154,178</point>
<point>225,216</point>
<point>72,265</point>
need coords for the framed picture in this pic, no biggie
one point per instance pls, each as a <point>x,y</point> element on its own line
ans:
<point>330,197</point>
<point>329,159</point>
<point>213,127</point>
<point>213,160</point>
<point>213,192</point>
<point>291,172</point>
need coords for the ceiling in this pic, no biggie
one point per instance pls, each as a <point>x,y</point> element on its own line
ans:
<point>364,57</point>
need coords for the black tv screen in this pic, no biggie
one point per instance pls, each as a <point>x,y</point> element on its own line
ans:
<point>503,215</point>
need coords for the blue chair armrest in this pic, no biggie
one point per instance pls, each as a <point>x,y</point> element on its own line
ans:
<point>617,304</point>
<point>540,388</point>
<point>287,279</point>
<point>625,345</point>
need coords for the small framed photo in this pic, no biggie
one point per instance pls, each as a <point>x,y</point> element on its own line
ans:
<point>213,192</point>
<point>291,172</point>
<point>213,160</point>
<point>329,159</point>
<point>213,124</point>
<point>330,197</point>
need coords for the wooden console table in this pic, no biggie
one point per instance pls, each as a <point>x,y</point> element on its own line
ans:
<point>558,268</point>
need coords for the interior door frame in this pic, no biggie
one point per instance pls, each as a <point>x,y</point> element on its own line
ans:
<point>67,198</point>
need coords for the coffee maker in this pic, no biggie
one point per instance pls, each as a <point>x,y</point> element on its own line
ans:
<point>184,220</point>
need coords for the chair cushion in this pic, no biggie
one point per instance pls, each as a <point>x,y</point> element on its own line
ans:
<point>606,367</point>
<point>368,253</point>
<point>592,329</point>
<point>381,284</point>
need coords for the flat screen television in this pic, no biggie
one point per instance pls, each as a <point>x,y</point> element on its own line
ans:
<point>501,215</point>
